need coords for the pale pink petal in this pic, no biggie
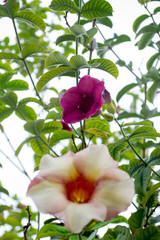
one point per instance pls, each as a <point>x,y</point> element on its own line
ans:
<point>115,190</point>
<point>76,216</point>
<point>93,161</point>
<point>49,197</point>
<point>58,169</point>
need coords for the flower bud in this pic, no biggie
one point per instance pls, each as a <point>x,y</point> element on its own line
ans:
<point>143,1</point>
<point>106,96</point>
<point>96,114</point>
<point>109,103</point>
<point>108,116</point>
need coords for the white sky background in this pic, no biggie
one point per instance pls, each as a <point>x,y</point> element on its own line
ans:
<point>125,12</point>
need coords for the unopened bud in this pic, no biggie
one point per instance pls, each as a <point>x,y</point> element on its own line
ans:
<point>96,114</point>
<point>143,1</point>
<point>106,96</point>
<point>108,116</point>
<point>111,107</point>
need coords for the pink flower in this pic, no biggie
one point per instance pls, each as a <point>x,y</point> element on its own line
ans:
<point>65,126</point>
<point>82,101</point>
<point>5,1</point>
<point>79,187</point>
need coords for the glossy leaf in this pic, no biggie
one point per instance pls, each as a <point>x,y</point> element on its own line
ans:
<point>151,232</point>
<point>31,18</point>
<point>46,77</point>
<point>97,132</point>
<point>147,29</point>
<point>16,85</point>
<point>152,91</point>
<point>4,55</point>
<point>38,146</point>
<point>60,135</point>
<point>50,127</point>
<point>64,5</point>
<point>4,78</point>
<point>54,115</point>
<point>156,10</point>
<point>56,58</point>
<point>144,132</point>
<point>79,62</point>
<point>12,6</point>
<point>154,157</point>
<point>124,90</point>
<point>9,98</point>
<point>147,122</point>
<point>52,230</point>
<point>142,180</point>
<point>116,147</point>
<point>96,9</point>
<point>105,21</point>
<point>138,22</point>
<point>149,193</point>
<point>5,112</point>
<point>136,220</point>
<point>152,60</point>
<point>34,127</point>
<point>78,30</point>
<point>29,100</point>
<point>32,48</point>
<point>145,40</point>
<point>26,113</point>
<point>106,65</point>
<point>64,38</point>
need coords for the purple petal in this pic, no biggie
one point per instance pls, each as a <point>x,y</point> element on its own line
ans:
<point>87,84</point>
<point>70,99</point>
<point>74,116</point>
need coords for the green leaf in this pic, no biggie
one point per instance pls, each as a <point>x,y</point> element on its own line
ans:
<point>54,102</point>
<point>142,180</point>
<point>145,40</point>
<point>93,235</point>
<point>150,233</point>
<point>129,115</point>
<point>4,78</point>
<point>105,21</point>
<point>152,60</point>
<point>97,132</point>
<point>32,48</point>
<point>17,85</point>
<point>31,18</point>
<point>138,22</point>
<point>125,90</point>
<point>149,193</point>
<point>119,232</point>
<point>6,66</point>
<point>136,220</point>
<point>64,5</point>
<point>29,100</point>
<point>4,190</point>
<point>54,115</point>
<point>152,91</point>
<point>27,140</point>
<point>156,10</point>
<point>154,157</point>
<point>79,62</point>
<point>144,132</point>
<point>64,38</point>
<point>96,9</point>
<point>78,30</point>
<point>52,230</point>
<point>52,126</point>
<point>38,146</point>
<point>4,55</point>
<point>148,29</point>
<point>106,65</point>
<point>26,113</point>
<point>9,98</point>
<point>3,11</point>
<point>147,122</point>
<point>12,6</point>
<point>5,112</point>
<point>60,135</point>
<point>116,148</point>
<point>56,58</point>
<point>34,127</point>
<point>99,124</point>
<point>46,77</point>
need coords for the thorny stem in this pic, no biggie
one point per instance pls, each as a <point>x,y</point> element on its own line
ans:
<point>134,150</point>
<point>25,228</point>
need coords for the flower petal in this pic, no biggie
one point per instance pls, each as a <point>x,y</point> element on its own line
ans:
<point>93,161</point>
<point>58,169</point>
<point>115,190</point>
<point>76,216</point>
<point>73,116</point>
<point>87,84</point>
<point>70,98</point>
<point>49,197</point>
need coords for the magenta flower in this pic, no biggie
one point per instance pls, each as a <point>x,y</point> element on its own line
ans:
<point>5,1</point>
<point>82,101</point>
<point>79,187</point>
<point>65,126</point>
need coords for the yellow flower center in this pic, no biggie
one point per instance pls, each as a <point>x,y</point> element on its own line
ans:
<point>80,189</point>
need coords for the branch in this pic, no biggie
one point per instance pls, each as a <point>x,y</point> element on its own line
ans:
<point>25,228</point>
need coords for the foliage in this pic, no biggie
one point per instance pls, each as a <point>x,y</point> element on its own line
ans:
<point>31,62</point>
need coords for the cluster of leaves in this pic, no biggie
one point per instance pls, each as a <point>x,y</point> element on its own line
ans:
<point>135,138</point>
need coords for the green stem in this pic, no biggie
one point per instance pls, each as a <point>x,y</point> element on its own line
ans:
<point>79,236</point>
<point>48,146</point>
